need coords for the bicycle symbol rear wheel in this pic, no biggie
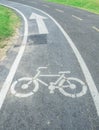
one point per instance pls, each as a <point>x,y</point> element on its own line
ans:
<point>74,87</point>
<point>27,85</point>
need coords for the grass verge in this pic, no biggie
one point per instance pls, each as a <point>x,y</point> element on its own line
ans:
<point>9,23</point>
<point>90,5</point>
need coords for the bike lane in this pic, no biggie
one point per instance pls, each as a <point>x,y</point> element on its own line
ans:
<point>45,110</point>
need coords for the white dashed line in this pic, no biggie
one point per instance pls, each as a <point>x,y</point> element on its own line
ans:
<point>58,10</point>
<point>33,2</point>
<point>46,6</point>
<point>95,28</point>
<point>77,17</point>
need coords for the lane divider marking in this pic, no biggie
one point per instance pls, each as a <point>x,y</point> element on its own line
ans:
<point>58,10</point>
<point>46,6</point>
<point>78,18</point>
<point>33,2</point>
<point>96,29</point>
<point>8,81</point>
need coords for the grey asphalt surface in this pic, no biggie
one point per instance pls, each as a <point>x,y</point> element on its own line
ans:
<point>45,111</point>
<point>85,38</point>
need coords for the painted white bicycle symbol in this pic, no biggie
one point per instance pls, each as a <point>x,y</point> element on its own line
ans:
<point>62,83</point>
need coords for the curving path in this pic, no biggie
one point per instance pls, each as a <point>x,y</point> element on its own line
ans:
<point>62,39</point>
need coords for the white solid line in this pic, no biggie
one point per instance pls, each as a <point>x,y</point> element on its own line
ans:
<point>14,66</point>
<point>58,10</point>
<point>95,28</point>
<point>91,84</point>
<point>46,6</point>
<point>77,17</point>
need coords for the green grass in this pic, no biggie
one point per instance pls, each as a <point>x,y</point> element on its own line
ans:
<point>9,21</point>
<point>90,5</point>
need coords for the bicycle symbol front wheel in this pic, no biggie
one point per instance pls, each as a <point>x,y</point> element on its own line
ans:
<point>72,87</point>
<point>24,87</point>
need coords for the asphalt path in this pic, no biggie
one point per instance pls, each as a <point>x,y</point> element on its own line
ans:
<point>42,108</point>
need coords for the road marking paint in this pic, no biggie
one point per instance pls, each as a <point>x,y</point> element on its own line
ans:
<point>41,25</point>
<point>95,28</point>
<point>58,83</point>
<point>15,64</point>
<point>77,17</point>
<point>89,80</point>
<point>33,2</point>
<point>58,10</point>
<point>49,75</point>
<point>46,6</point>
<point>23,95</point>
<point>91,84</point>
